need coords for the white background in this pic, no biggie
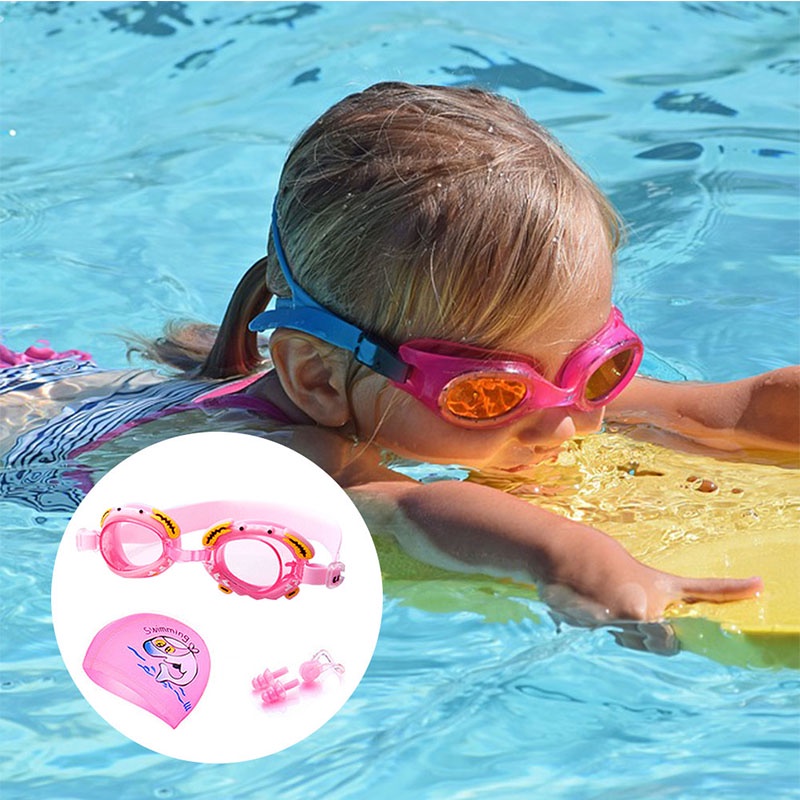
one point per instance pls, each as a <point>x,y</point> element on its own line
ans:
<point>244,636</point>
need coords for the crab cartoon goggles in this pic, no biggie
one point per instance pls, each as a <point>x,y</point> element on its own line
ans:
<point>467,385</point>
<point>250,549</point>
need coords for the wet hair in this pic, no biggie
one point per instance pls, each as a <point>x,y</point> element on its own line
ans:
<point>427,211</point>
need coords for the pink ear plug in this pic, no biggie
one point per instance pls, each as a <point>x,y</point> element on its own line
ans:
<point>274,691</point>
<point>268,678</point>
<point>277,692</point>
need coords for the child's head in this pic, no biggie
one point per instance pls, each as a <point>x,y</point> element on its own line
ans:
<point>425,211</point>
<point>442,213</point>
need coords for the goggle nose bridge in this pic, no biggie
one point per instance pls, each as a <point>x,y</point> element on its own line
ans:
<point>192,555</point>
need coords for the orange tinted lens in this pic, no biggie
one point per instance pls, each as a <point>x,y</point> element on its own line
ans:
<point>607,377</point>
<point>483,396</point>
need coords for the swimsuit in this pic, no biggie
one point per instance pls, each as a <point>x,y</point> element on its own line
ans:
<point>39,468</point>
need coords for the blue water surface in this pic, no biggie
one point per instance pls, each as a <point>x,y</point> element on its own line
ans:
<point>141,144</point>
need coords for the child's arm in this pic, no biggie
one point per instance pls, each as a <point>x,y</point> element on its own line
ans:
<point>582,573</point>
<point>762,412</point>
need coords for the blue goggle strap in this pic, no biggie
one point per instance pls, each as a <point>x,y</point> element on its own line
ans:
<point>301,312</point>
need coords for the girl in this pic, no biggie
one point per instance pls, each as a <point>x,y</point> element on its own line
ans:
<point>444,275</point>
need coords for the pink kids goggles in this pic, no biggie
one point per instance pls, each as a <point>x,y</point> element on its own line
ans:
<point>249,548</point>
<point>471,386</point>
<point>466,385</point>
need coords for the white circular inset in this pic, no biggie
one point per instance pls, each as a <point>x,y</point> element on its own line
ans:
<point>170,508</point>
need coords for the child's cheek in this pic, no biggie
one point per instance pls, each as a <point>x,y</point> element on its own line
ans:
<point>375,405</point>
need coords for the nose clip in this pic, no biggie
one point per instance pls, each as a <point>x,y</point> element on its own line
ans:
<point>320,662</point>
<point>273,690</point>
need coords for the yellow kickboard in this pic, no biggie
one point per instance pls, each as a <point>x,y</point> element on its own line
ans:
<point>698,516</point>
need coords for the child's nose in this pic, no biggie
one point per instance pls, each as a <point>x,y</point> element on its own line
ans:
<point>588,421</point>
<point>554,426</point>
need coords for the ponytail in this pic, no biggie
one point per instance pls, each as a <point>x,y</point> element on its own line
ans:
<point>235,350</point>
<point>205,351</point>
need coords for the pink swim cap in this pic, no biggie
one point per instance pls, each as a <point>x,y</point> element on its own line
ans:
<point>153,661</point>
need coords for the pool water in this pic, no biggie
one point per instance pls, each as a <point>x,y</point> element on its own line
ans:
<point>141,144</point>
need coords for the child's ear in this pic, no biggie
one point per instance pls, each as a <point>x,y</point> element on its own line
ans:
<point>313,375</point>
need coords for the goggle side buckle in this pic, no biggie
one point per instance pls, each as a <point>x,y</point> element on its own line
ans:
<point>87,539</point>
<point>335,574</point>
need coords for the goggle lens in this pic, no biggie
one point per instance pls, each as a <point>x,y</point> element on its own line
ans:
<point>128,545</point>
<point>252,561</point>
<point>608,376</point>
<point>482,397</point>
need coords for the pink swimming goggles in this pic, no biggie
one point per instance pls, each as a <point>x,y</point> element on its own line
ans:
<point>250,549</point>
<point>471,386</point>
<point>466,385</point>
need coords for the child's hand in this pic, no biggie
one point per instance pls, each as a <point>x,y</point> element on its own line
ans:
<point>635,602</point>
<point>624,590</point>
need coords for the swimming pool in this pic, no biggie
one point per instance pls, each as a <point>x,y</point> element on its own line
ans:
<point>141,145</point>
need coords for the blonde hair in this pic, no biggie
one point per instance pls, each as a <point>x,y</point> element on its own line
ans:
<point>436,211</point>
<point>428,211</point>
